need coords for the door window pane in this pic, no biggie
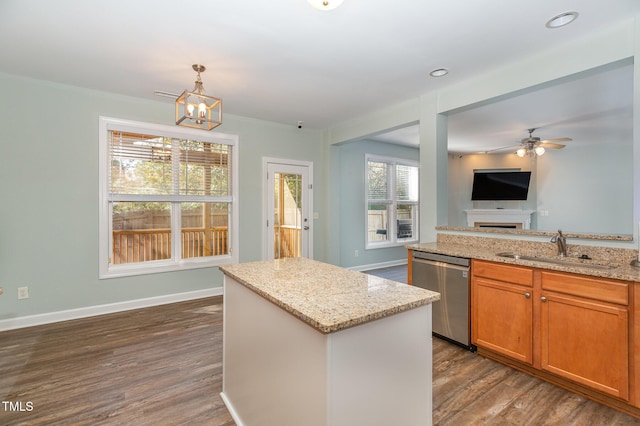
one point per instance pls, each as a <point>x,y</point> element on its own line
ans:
<point>287,218</point>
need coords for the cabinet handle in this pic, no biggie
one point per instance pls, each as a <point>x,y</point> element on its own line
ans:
<point>544,299</point>
<point>527,295</point>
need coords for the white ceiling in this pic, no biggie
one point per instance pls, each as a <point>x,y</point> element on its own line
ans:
<point>282,60</point>
<point>592,108</point>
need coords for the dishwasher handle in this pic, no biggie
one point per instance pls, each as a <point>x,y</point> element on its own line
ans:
<point>441,264</point>
<point>462,261</point>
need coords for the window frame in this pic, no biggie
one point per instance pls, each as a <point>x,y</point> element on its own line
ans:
<point>392,202</point>
<point>108,270</point>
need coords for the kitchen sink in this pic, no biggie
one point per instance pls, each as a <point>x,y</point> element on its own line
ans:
<point>565,261</point>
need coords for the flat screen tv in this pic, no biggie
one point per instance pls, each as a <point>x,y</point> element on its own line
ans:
<point>500,186</point>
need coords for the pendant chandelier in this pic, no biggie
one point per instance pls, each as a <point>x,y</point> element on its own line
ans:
<point>196,109</point>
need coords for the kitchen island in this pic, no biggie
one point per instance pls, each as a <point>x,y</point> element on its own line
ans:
<point>307,343</point>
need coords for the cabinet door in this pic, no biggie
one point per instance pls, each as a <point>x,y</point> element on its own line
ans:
<point>586,341</point>
<point>502,318</point>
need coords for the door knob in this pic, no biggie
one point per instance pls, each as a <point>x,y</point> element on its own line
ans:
<point>527,295</point>
<point>306,228</point>
<point>544,299</point>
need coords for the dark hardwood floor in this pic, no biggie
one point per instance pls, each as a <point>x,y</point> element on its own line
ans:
<point>163,366</point>
<point>152,366</point>
<point>469,389</point>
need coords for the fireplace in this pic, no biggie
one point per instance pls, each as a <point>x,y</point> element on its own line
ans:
<point>499,218</point>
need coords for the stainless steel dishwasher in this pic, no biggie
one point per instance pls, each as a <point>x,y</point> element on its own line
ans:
<point>449,276</point>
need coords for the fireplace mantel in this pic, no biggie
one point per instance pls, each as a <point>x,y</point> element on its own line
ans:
<point>502,218</point>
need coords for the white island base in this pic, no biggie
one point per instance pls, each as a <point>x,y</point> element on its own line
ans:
<point>278,370</point>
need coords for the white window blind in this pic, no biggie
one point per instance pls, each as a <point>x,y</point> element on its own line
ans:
<point>406,183</point>
<point>378,181</point>
<point>156,165</point>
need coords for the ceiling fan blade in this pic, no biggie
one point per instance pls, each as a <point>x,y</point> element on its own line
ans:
<point>557,140</point>
<point>552,145</point>
<point>491,151</point>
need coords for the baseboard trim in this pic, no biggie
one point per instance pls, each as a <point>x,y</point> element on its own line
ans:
<point>90,311</point>
<point>371,266</point>
<point>231,410</point>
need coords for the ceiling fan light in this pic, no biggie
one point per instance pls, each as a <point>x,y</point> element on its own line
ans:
<point>521,152</point>
<point>539,150</point>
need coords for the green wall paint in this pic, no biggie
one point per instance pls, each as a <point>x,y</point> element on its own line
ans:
<point>351,188</point>
<point>49,186</point>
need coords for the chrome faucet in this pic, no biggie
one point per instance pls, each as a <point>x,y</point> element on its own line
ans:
<point>561,240</point>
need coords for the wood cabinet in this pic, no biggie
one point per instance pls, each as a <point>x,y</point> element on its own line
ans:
<point>502,319</point>
<point>410,267</point>
<point>564,325</point>
<point>584,333</point>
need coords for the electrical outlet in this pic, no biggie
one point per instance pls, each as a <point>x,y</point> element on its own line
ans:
<point>23,292</point>
<point>356,254</point>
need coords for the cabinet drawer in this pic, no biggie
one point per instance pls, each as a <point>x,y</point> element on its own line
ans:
<point>501,272</point>
<point>593,288</point>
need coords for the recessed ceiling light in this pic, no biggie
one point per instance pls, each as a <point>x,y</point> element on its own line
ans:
<point>439,72</point>
<point>561,20</point>
<point>325,4</point>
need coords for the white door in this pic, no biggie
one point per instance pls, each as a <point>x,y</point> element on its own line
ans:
<point>288,195</point>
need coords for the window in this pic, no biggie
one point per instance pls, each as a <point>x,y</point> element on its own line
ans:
<point>168,198</point>
<point>392,202</point>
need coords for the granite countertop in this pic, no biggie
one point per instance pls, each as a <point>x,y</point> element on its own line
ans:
<point>327,297</point>
<point>619,268</point>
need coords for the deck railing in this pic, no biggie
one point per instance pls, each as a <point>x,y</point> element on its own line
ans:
<point>143,245</point>
<point>287,242</point>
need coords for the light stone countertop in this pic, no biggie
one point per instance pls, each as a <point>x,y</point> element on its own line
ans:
<point>620,268</point>
<point>327,297</point>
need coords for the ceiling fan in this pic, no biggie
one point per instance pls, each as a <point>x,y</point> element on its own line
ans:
<point>533,145</point>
